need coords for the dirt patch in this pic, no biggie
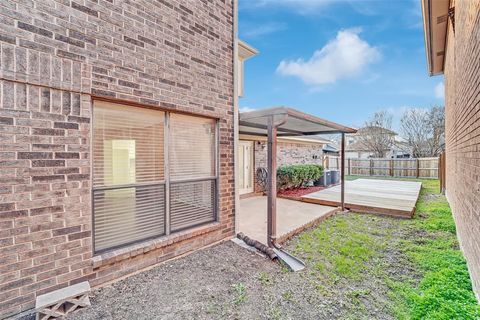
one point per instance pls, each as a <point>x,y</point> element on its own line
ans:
<point>221,282</point>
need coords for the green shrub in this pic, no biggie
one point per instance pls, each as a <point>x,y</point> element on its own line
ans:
<point>298,175</point>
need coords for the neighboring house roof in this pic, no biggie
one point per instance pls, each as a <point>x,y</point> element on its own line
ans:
<point>402,146</point>
<point>379,129</point>
<point>245,51</point>
<point>330,148</point>
<point>359,146</point>
<point>435,22</point>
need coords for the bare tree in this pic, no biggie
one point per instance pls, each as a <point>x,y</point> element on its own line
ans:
<point>376,135</point>
<point>423,129</point>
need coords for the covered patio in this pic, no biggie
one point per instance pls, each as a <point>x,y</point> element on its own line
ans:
<point>284,217</point>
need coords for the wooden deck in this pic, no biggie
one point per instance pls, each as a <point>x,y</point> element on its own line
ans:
<point>390,197</point>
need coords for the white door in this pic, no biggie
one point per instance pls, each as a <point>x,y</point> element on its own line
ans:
<point>245,165</point>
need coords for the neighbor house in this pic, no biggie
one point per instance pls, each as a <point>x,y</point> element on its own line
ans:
<point>452,41</point>
<point>357,148</point>
<point>116,136</point>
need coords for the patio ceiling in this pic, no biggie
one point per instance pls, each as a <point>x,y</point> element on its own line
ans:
<point>290,122</point>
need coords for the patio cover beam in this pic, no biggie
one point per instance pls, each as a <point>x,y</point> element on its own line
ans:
<point>260,126</point>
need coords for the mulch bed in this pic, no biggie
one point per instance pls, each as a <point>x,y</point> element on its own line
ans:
<point>297,193</point>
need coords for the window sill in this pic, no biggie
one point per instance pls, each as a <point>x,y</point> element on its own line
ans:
<point>131,251</point>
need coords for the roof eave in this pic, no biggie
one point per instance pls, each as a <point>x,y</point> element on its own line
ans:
<point>435,23</point>
<point>246,51</point>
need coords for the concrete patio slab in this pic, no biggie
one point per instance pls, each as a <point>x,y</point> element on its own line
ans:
<point>292,217</point>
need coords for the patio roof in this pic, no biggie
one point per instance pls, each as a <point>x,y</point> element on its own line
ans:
<point>290,122</point>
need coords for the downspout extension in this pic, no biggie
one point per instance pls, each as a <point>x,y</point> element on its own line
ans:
<point>258,245</point>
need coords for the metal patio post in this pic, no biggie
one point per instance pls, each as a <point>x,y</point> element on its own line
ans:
<point>342,173</point>
<point>272,183</point>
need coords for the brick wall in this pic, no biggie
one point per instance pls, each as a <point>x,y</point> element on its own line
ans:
<point>287,154</point>
<point>462,89</point>
<point>56,56</point>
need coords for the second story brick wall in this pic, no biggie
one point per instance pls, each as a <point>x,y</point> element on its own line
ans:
<point>56,57</point>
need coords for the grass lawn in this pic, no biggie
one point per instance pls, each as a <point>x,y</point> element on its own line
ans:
<point>410,269</point>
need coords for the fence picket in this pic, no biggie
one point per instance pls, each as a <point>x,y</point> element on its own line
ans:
<point>414,167</point>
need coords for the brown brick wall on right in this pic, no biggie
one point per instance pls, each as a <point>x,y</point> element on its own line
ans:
<point>462,130</point>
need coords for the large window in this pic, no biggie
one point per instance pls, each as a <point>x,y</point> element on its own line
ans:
<point>139,192</point>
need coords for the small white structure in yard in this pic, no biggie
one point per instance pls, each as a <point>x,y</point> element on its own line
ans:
<point>59,303</point>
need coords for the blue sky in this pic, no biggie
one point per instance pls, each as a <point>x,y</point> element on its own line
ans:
<point>338,59</point>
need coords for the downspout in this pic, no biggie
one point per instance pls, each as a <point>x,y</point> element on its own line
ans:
<point>235,115</point>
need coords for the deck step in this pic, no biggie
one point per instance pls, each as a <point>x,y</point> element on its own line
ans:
<point>59,303</point>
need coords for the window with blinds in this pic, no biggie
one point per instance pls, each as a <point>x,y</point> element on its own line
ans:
<point>192,171</point>
<point>134,197</point>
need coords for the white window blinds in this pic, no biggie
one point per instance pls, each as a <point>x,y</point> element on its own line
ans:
<point>134,198</point>
<point>128,174</point>
<point>192,171</point>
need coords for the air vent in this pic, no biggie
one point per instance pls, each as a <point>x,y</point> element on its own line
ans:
<point>442,19</point>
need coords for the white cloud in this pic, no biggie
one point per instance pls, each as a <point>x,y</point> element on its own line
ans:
<point>345,56</point>
<point>256,31</point>
<point>246,109</point>
<point>440,90</point>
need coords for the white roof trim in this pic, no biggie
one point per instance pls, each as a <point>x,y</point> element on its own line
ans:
<point>245,51</point>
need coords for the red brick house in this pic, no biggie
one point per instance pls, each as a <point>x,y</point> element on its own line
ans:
<point>109,108</point>
<point>452,38</point>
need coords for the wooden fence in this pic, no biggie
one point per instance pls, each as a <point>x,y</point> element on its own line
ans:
<point>411,168</point>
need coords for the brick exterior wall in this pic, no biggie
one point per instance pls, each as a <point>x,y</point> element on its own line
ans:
<point>56,56</point>
<point>462,126</point>
<point>287,154</point>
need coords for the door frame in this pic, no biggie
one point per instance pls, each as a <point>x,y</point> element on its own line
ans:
<point>242,143</point>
